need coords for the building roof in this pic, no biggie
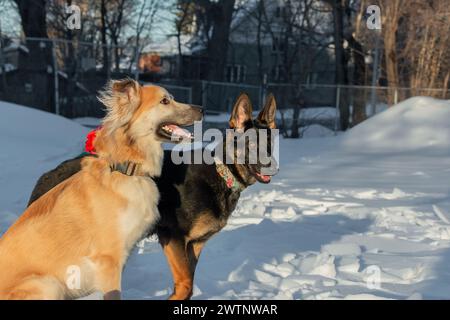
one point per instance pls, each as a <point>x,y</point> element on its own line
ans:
<point>169,46</point>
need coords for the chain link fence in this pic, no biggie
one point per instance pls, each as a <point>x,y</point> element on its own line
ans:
<point>59,75</point>
<point>220,96</point>
<point>326,104</point>
<point>63,77</point>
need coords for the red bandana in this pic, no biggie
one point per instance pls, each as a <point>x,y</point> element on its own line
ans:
<point>89,145</point>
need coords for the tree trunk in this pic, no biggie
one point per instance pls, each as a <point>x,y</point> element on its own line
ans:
<point>391,65</point>
<point>180,56</point>
<point>33,13</point>
<point>34,66</point>
<point>258,42</point>
<point>445,86</point>
<point>71,63</point>
<point>359,76</point>
<point>340,63</point>
<point>116,55</point>
<point>295,133</point>
<point>391,11</point>
<point>103,14</point>
<point>222,12</point>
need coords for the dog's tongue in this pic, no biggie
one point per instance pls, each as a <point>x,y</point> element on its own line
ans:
<point>264,177</point>
<point>179,132</point>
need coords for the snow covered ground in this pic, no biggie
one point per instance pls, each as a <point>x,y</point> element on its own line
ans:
<point>362,215</point>
<point>31,142</point>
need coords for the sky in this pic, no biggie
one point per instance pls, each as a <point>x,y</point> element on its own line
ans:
<point>10,21</point>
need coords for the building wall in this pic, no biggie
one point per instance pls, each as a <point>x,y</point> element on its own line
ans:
<point>246,56</point>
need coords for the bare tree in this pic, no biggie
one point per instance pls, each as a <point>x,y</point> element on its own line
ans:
<point>426,46</point>
<point>185,17</point>
<point>144,21</point>
<point>213,23</point>
<point>392,12</point>
<point>293,29</point>
<point>34,66</point>
<point>339,7</point>
<point>358,57</point>
<point>416,41</point>
<point>115,22</point>
<point>221,13</point>
<point>66,55</point>
<point>103,30</point>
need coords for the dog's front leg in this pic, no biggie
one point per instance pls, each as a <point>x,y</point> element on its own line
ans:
<point>108,277</point>
<point>194,248</point>
<point>175,251</point>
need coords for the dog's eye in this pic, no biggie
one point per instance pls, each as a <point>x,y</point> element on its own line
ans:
<point>165,101</point>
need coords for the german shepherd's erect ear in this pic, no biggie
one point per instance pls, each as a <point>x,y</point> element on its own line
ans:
<point>121,98</point>
<point>267,115</point>
<point>242,112</point>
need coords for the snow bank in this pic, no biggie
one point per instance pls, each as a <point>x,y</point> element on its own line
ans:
<point>316,131</point>
<point>414,124</point>
<point>32,142</point>
<point>24,131</point>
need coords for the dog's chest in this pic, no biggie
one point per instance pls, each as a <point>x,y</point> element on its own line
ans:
<point>141,213</point>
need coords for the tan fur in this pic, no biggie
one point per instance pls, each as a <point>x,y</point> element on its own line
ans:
<point>91,221</point>
<point>205,224</point>
<point>183,253</point>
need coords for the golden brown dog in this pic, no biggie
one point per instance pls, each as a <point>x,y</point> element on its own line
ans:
<point>76,238</point>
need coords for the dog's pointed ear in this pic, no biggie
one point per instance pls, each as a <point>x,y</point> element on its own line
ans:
<point>242,112</point>
<point>268,113</point>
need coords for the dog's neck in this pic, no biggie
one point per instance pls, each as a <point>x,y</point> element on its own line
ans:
<point>153,156</point>
<point>231,174</point>
<point>118,148</point>
<point>231,181</point>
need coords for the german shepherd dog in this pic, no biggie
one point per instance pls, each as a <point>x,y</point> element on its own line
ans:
<point>76,238</point>
<point>196,199</point>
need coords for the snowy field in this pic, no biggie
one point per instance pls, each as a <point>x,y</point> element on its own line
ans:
<point>362,215</point>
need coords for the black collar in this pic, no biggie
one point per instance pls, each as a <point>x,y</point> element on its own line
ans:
<point>129,168</point>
